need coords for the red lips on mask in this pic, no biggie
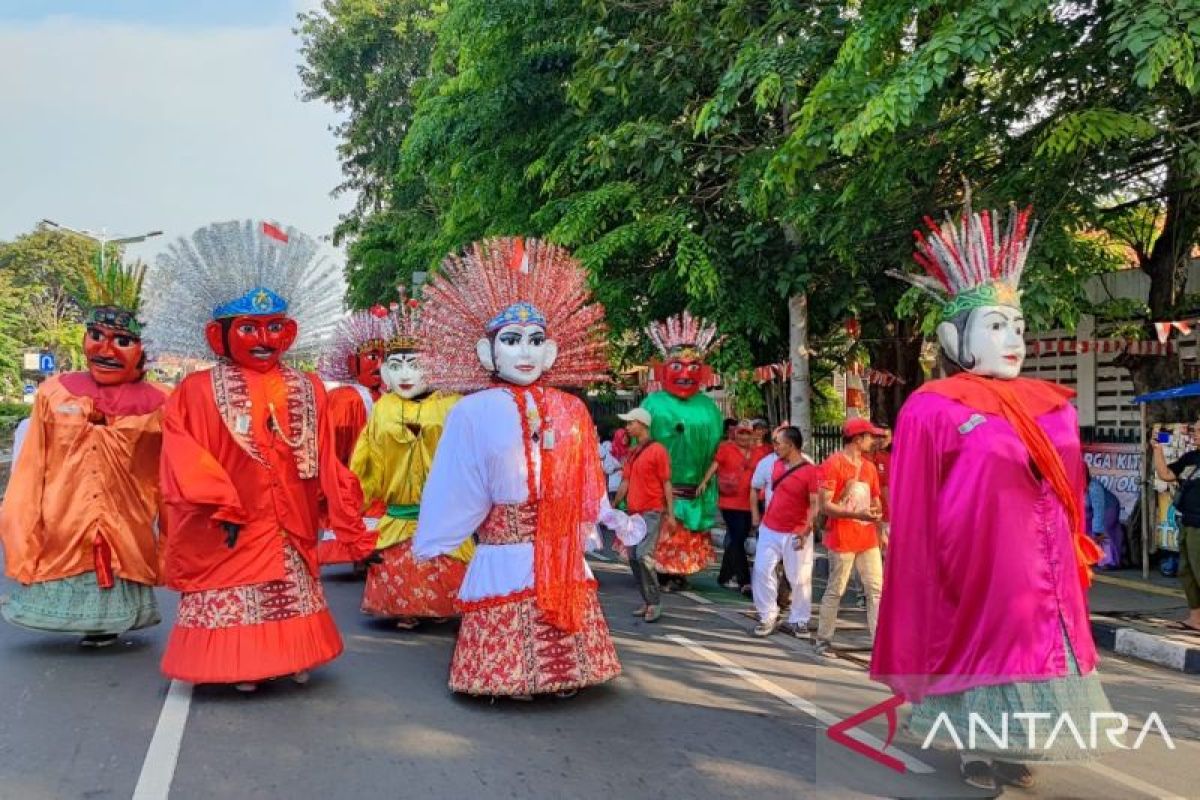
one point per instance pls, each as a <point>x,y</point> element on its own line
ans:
<point>114,356</point>
<point>256,343</point>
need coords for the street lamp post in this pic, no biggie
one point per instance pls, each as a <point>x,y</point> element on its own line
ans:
<point>102,238</point>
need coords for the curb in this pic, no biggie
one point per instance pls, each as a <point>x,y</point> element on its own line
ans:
<point>1142,646</point>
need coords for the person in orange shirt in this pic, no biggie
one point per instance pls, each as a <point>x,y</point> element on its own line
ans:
<point>645,488</point>
<point>78,519</point>
<point>850,498</point>
<point>248,456</point>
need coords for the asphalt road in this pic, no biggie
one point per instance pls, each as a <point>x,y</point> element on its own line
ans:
<point>703,710</point>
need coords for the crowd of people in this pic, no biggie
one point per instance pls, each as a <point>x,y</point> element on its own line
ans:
<point>773,496</point>
<point>453,467</point>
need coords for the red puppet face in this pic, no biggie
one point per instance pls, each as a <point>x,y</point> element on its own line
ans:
<point>253,342</point>
<point>683,376</point>
<point>365,365</point>
<point>114,356</point>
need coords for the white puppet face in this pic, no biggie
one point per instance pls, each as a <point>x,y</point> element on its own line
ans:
<point>402,374</point>
<point>993,340</point>
<point>519,354</point>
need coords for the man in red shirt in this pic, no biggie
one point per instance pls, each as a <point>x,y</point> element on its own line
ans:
<point>785,534</point>
<point>733,465</point>
<point>645,488</point>
<point>850,498</point>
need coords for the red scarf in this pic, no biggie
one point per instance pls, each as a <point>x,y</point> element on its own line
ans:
<point>559,581</point>
<point>1020,401</point>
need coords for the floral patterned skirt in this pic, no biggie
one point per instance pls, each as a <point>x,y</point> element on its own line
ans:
<point>402,586</point>
<point>507,648</point>
<point>78,605</point>
<point>681,551</point>
<point>253,632</point>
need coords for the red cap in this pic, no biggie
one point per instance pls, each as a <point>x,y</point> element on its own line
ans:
<point>858,426</point>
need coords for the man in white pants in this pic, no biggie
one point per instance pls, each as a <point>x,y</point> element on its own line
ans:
<point>785,534</point>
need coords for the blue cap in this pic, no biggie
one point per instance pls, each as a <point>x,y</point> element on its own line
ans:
<point>258,302</point>
<point>517,314</point>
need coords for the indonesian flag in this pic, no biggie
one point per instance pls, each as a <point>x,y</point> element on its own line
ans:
<point>273,232</point>
<point>520,259</point>
<point>1184,328</point>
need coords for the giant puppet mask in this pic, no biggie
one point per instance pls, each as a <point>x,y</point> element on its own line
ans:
<point>684,374</point>
<point>990,341</point>
<point>112,340</point>
<point>403,374</point>
<point>517,349</point>
<point>254,342</point>
<point>684,342</point>
<point>114,355</point>
<point>365,366</point>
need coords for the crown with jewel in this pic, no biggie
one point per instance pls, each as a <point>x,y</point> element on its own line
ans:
<point>684,335</point>
<point>405,320</point>
<point>975,262</point>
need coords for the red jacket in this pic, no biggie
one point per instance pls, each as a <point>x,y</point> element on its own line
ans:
<point>212,472</point>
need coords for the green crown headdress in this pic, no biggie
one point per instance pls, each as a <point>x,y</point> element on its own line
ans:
<point>112,293</point>
<point>975,263</point>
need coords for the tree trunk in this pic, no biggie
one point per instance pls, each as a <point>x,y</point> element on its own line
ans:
<point>801,400</point>
<point>1166,265</point>
<point>899,354</point>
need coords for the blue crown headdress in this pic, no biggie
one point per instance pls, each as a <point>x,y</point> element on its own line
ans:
<point>521,313</point>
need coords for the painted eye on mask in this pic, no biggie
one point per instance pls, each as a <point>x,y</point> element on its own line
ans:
<point>95,335</point>
<point>693,368</point>
<point>675,366</point>
<point>124,341</point>
<point>275,327</point>
<point>246,329</point>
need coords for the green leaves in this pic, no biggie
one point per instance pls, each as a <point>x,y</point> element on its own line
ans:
<point>1162,36</point>
<point>1094,127</point>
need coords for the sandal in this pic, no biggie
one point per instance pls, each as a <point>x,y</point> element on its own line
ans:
<point>1018,775</point>
<point>978,774</point>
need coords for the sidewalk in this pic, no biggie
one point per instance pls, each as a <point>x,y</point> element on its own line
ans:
<point>1132,617</point>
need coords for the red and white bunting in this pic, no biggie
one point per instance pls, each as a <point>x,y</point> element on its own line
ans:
<point>1131,346</point>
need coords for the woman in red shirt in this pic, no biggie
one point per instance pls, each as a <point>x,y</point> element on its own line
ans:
<point>733,466</point>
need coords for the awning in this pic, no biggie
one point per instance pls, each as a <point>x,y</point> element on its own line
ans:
<point>1187,390</point>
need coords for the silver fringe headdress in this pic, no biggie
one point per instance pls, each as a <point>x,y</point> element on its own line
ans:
<point>231,268</point>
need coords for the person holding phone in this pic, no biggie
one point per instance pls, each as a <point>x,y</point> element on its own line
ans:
<point>1185,471</point>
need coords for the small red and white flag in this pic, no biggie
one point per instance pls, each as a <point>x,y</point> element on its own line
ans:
<point>274,232</point>
<point>1163,329</point>
<point>520,259</point>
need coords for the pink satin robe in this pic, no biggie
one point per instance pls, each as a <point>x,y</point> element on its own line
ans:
<point>980,565</point>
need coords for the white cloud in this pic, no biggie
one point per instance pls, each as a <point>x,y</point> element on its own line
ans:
<point>134,128</point>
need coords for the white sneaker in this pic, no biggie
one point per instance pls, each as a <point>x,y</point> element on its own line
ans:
<point>766,628</point>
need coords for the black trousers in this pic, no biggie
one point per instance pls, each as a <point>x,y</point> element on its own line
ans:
<point>734,564</point>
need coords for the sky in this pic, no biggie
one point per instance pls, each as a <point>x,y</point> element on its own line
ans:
<point>140,115</point>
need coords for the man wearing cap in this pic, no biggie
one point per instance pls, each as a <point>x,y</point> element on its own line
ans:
<point>850,498</point>
<point>645,488</point>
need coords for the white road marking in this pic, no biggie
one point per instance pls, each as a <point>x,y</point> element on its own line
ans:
<point>158,768</point>
<point>816,712</point>
<point>1132,782</point>
<point>695,598</point>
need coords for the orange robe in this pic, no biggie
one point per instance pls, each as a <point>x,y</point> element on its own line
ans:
<point>255,610</point>
<point>77,483</point>
<point>348,415</point>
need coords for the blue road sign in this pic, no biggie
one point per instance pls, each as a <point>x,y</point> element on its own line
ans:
<point>46,363</point>
<point>30,387</point>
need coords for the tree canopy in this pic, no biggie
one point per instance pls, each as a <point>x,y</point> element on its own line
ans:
<point>725,156</point>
